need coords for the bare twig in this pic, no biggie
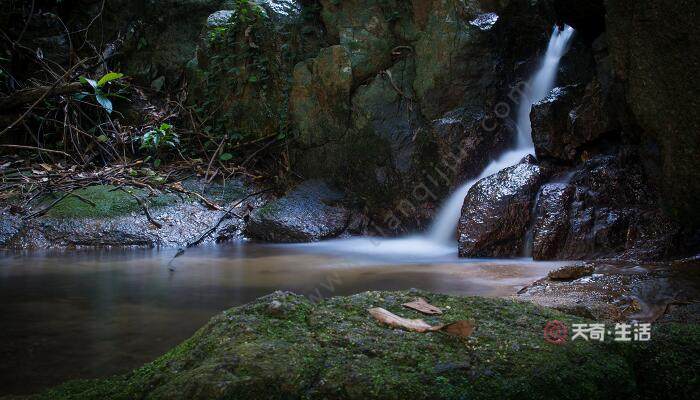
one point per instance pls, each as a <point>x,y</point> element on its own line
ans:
<point>229,211</point>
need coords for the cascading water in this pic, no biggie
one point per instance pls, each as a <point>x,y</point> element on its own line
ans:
<point>443,229</point>
<point>439,241</point>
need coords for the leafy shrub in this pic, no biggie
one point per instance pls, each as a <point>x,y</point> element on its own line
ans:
<point>159,140</point>
<point>99,88</point>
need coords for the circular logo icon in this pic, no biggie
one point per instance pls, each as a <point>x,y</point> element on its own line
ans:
<point>555,332</point>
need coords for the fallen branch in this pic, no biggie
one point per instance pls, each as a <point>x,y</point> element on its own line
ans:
<point>17,146</point>
<point>30,95</point>
<point>207,202</point>
<point>226,214</point>
<point>42,97</point>
<point>145,208</point>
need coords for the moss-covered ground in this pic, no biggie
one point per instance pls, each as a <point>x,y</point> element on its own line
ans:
<point>107,200</point>
<point>284,346</point>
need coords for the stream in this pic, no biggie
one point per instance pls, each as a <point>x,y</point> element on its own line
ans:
<point>94,313</point>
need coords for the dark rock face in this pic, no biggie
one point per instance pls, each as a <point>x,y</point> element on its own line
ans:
<point>569,120</point>
<point>497,210</point>
<point>587,17</point>
<point>303,215</point>
<point>466,142</point>
<point>606,210</point>
<point>656,59</point>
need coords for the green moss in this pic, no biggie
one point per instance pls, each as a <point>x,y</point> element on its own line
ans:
<point>108,202</point>
<point>284,346</point>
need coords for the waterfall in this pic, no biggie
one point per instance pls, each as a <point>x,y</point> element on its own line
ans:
<point>439,240</point>
<point>445,225</point>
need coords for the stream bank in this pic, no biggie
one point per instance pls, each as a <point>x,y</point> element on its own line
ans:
<point>284,346</point>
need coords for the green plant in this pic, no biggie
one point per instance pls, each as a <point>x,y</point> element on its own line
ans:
<point>99,89</point>
<point>157,140</point>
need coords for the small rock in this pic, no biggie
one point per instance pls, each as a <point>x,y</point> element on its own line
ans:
<point>220,18</point>
<point>571,272</point>
<point>275,307</point>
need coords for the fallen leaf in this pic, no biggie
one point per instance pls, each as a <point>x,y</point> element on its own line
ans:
<point>47,167</point>
<point>462,328</point>
<point>421,305</point>
<point>386,317</point>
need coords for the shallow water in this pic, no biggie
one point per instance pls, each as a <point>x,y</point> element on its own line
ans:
<point>94,313</point>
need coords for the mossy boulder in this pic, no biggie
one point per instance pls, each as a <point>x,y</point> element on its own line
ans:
<point>285,346</point>
<point>102,215</point>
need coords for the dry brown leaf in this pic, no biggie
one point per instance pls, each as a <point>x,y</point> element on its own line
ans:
<point>47,167</point>
<point>386,317</point>
<point>461,328</point>
<point>421,305</point>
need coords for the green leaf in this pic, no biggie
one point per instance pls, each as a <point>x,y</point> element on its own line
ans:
<point>108,77</point>
<point>104,102</point>
<point>225,156</point>
<point>80,96</point>
<point>86,81</point>
<point>102,138</point>
<point>156,163</point>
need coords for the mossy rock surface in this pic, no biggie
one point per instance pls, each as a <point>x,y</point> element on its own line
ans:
<point>108,201</point>
<point>284,346</point>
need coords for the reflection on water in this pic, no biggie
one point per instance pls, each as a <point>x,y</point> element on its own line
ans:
<point>95,313</point>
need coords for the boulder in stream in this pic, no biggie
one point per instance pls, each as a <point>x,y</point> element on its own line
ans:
<point>309,212</point>
<point>496,212</point>
<point>604,210</point>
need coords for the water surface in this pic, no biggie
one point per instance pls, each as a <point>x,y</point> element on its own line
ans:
<point>95,313</point>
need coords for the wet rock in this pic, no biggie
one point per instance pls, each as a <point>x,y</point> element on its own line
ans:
<point>383,109</point>
<point>307,213</point>
<point>282,12</point>
<point>605,210</point>
<point>549,118</point>
<point>220,18</point>
<point>496,212</point>
<point>571,272</point>
<point>619,290</point>
<point>10,225</point>
<point>552,220</point>
<point>568,120</point>
<point>117,220</point>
